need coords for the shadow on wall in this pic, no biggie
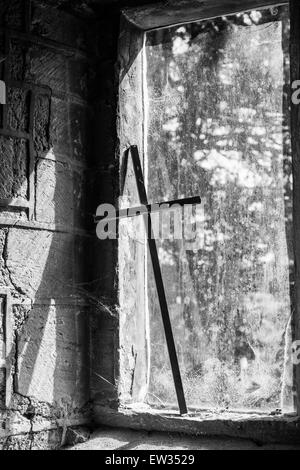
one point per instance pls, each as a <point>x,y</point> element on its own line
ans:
<point>50,351</point>
<point>43,260</point>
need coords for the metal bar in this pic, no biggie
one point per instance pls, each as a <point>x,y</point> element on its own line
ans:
<point>159,283</point>
<point>151,208</point>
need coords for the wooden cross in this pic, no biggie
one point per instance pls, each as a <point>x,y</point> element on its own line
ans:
<point>140,210</point>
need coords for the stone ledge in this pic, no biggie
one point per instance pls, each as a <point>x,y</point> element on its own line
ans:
<point>259,428</point>
<point>111,439</point>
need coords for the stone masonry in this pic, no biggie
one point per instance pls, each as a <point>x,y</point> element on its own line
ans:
<point>46,156</point>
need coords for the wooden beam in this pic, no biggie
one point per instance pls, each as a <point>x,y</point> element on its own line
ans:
<point>159,15</point>
<point>295,135</point>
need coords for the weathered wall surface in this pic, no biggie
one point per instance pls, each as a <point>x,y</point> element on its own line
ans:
<point>117,347</point>
<point>59,335</point>
<point>104,178</point>
<point>116,371</point>
<point>45,157</point>
<point>59,159</point>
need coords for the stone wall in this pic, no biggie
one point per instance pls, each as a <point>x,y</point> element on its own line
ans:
<point>59,160</point>
<point>59,152</point>
<point>46,156</point>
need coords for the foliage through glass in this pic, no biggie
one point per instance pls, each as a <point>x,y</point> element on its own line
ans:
<point>217,123</point>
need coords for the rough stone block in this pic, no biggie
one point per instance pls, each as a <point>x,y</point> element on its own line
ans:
<point>16,61</point>
<point>107,39</point>
<point>13,214</point>
<point>18,442</point>
<point>41,127</point>
<point>20,315</point>
<point>80,131</point>
<point>2,324</point>
<point>2,353</point>
<point>54,193</point>
<point>77,436</point>
<point>14,168</point>
<point>81,216</point>
<point>104,253</point>
<point>40,263</point>
<point>12,13</point>
<point>53,368</point>
<point>2,54</point>
<point>106,192</point>
<point>102,359</point>
<point>18,108</point>
<point>47,440</point>
<point>2,386</point>
<point>79,78</point>
<point>48,68</point>
<point>105,86</point>
<point>60,127</point>
<point>80,259</point>
<point>58,26</point>
<point>105,132</point>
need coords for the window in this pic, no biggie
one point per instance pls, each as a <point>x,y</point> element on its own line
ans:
<point>213,100</point>
<point>218,127</point>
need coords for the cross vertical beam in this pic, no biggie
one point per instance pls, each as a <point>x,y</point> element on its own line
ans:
<point>159,281</point>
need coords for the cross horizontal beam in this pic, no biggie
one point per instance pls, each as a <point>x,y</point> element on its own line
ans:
<point>150,208</point>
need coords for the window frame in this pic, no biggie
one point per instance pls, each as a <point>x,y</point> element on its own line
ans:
<point>135,22</point>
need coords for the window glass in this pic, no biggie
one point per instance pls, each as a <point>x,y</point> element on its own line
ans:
<point>217,124</point>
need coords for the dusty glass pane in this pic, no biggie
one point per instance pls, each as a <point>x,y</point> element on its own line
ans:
<point>217,123</point>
